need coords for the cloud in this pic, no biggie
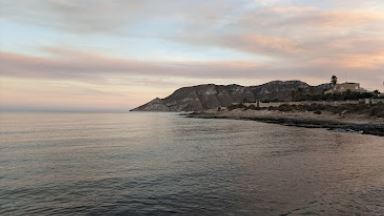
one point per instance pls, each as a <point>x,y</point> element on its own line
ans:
<point>363,62</point>
<point>100,16</point>
<point>78,16</point>
<point>68,64</point>
<point>98,68</point>
<point>282,39</point>
<point>272,28</point>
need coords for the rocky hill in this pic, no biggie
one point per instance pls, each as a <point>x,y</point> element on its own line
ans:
<point>201,97</point>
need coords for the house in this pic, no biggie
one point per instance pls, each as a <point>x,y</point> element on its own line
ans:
<point>344,87</point>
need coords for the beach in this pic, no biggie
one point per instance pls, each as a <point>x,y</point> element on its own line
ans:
<point>363,119</point>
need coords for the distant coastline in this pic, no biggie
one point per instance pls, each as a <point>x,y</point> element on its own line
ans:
<point>211,96</point>
<point>339,106</point>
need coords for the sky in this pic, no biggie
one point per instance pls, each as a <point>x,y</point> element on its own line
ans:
<point>118,54</point>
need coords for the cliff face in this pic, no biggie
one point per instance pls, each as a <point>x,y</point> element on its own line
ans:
<point>196,98</point>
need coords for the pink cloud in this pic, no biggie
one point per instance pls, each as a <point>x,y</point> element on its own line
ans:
<point>97,68</point>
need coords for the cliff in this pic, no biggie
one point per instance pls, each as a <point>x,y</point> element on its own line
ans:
<point>201,97</point>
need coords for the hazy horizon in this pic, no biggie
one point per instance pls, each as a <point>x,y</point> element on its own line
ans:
<point>116,55</point>
<point>61,108</point>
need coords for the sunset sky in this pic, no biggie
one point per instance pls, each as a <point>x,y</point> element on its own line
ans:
<point>118,54</point>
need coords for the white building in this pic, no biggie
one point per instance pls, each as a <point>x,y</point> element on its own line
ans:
<point>343,87</point>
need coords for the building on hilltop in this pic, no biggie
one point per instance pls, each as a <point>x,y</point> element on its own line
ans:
<point>344,87</point>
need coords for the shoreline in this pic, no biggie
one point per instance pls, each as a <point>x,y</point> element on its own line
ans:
<point>357,124</point>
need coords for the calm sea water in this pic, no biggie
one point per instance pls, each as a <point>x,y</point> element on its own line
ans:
<point>165,164</point>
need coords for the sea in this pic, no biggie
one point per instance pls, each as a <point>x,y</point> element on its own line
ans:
<point>166,164</point>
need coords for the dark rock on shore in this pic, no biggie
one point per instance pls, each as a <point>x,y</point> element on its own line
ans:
<point>372,129</point>
<point>371,110</point>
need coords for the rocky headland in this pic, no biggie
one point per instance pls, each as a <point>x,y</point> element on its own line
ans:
<point>274,102</point>
<point>209,96</point>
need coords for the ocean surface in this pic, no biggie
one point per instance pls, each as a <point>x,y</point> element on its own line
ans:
<point>166,164</point>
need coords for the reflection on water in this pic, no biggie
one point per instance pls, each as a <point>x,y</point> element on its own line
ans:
<point>162,164</point>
